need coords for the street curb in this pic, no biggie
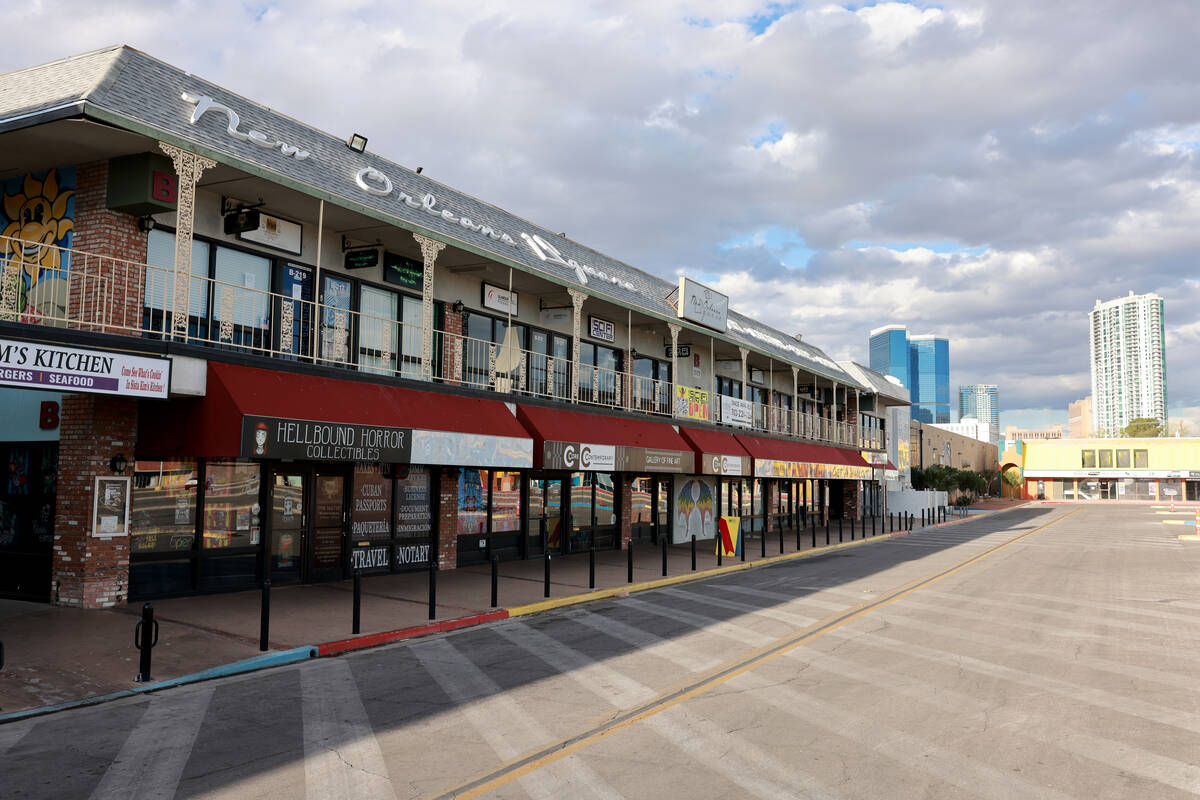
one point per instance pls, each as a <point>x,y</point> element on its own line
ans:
<point>225,670</point>
<point>387,637</point>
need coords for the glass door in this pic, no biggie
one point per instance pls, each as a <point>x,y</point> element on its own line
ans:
<point>543,520</point>
<point>327,542</point>
<point>287,526</point>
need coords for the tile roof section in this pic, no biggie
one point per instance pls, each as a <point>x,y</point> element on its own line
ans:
<point>877,382</point>
<point>128,88</point>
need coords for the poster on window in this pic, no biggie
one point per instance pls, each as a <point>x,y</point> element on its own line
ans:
<point>414,516</point>
<point>110,506</point>
<point>694,509</point>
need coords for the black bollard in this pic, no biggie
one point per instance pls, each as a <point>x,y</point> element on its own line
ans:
<point>664,549</point>
<point>827,531</point>
<point>592,567</point>
<point>839,529</point>
<point>546,575</point>
<point>432,585</point>
<point>720,549</point>
<point>852,529</point>
<point>357,601</point>
<point>891,522</point>
<point>762,541</point>
<point>781,537</point>
<point>495,581</point>
<point>814,533</point>
<point>799,530</point>
<point>629,556</point>
<point>693,552</point>
<point>872,524</point>
<point>145,636</point>
<point>742,537</point>
<point>264,616</point>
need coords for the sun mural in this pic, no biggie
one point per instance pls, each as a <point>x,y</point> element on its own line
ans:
<point>37,218</point>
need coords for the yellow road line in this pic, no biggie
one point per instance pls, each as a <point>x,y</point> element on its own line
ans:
<point>523,765</point>
<point>1176,522</point>
<point>1189,537</point>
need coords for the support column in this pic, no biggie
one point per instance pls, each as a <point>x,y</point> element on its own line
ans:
<point>795,401</point>
<point>577,300</point>
<point>445,548</point>
<point>189,167</point>
<point>429,253</point>
<point>626,510</point>
<point>745,384</point>
<point>674,329</point>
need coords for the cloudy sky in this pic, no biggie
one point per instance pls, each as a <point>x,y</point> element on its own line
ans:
<point>979,170</point>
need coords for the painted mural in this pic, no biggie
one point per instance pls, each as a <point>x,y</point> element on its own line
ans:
<point>695,509</point>
<point>37,216</point>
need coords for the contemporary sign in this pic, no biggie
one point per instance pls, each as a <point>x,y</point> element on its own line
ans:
<point>75,369</point>
<point>738,412</point>
<point>585,457</point>
<point>499,299</point>
<point>701,304</point>
<point>602,329</point>
<point>717,464</point>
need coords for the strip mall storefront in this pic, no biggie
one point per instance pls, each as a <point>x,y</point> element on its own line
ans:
<point>1108,470</point>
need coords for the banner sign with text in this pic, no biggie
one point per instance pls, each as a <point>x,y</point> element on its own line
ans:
<point>76,369</point>
<point>584,457</point>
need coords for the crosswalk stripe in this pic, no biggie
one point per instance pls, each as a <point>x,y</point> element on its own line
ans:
<point>507,727</point>
<point>12,733</point>
<point>674,650</point>
<point>152,759</point>
<point>342,759</point>
<point>751,768</point>
<point>738,633</point>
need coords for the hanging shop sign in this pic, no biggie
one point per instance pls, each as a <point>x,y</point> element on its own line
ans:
<point>277,234</point>
<point>311,440</point>
<point>498,299</point>
<point>735,411</point>
<point>403,271</point>
<point>682,351</point>
<point>585,457</point>
<point>602,329</point>
<point>364,258</point>
<point>78,370</point>
<point>691,403</point>
<point>770,468</point>
<point>718,464</point>
<point>702,305</point>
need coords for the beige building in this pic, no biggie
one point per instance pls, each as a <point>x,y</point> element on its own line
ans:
<point>1012,433</point>
<point>1080,422</point>
<point>935,445</point>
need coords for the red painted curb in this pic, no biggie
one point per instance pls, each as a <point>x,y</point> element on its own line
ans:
<point>376,639</point>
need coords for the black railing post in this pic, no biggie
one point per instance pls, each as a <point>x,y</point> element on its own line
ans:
<point>495,581</point>
<point>891,522</point>
<point>742,542</point>
<point>839,529</point>
<point>357,602</point>
<point>432,585</point>
<point>592,567</point>
<point>780,521</point>
<point>693,552</point>
<point>762,541</point>
<point>827,531</point>
<point>629,558</point>
<point>264,616</point>
<point>145,636</point>
<point>814,533</point>
<point>664,549</point>
<point>546,575</point>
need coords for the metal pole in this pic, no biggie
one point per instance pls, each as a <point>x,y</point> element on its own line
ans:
<point>592,567</point>
<point>693,552</point>
<point>432,585</point>
<point>546,575</point>
<point>145,636</point>
<point>629,558</point>
<point>839,530</point>
<point>814,532</point>
<point>357,601</point>
<point>495,581</point>
<point>664,549</point>
<point>314,326</point>
<point>780,521</point>
<point>264,622</point>
<point>827,531</point>
<point>762,540</point>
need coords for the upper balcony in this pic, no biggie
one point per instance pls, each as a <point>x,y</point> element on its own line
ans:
<point>106,295</point>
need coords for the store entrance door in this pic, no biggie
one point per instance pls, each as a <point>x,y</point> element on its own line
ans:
<point>326,555</point>
<point>544,515</point>
<point>308,526</point>
<point>287,525</point>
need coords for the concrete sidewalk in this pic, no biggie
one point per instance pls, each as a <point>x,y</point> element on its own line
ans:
<point>58,655</point>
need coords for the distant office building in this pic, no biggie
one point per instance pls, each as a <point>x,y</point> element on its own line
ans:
<point>1129,378</point>
<point>981,401</point>
<point>969,426</point>
<point>1079,419</point>
<point>921,363</point>
<point>1014,434</point>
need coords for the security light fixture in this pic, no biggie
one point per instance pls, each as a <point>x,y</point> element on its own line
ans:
<point>458,306</point>
<point>357,143</point>
<point>146,224</point>
<point>419,170</point>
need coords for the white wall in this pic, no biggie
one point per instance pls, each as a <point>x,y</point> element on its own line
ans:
<point>913,501</point>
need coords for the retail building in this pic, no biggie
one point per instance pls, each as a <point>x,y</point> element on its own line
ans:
<point>235,347</point>
<point>1159,469</point>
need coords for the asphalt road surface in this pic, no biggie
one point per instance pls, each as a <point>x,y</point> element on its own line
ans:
<point>1047,652</point>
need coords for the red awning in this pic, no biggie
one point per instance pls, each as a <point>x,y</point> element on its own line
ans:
<point>717,452</point>
<point>809,460</point>
<point>212,426</point>
<point>577,440</point>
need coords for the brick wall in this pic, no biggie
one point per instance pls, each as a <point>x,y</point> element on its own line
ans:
<point>452,324</point>
<point>850,504</point>
<point>447,531</point>
<point>87,571</point>
<point>107,276</point>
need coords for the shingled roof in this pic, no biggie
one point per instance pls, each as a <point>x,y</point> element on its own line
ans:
<point>128,89</point>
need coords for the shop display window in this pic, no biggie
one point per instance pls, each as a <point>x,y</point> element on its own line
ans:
<point>1106,459</point>
<point>506,501</point>
<point>1141,459</point>
<point>606,514</point>
<point>164,506</point>
<point>641,500</point>
<point>231,490</point>
<point>1089,459</point>
<point>472,501</point>
<point>371,505</point>
<point>1122,459</point>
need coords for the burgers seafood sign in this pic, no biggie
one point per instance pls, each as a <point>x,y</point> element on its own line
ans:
<point>77,370</point>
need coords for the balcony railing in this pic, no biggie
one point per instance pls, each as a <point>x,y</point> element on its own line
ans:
<point>51,286</point>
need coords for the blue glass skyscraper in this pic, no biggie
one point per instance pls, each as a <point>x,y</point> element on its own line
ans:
<point>921,363</point>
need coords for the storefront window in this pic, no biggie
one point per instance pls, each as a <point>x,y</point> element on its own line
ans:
<point>1141,459</point>
<point>1139,489</point>
<point>371,511</point>
<point>1106,459</point>
<point>241,295</point>
<point>414,516</point>
<point>641,500</point>
<point>1122,459</point>
<point>1170,488</point>
<point>1089,459</point>
<point>164,506</point>
<point>605,512</point>
<point>335,320</point>
<point>506,501</point>
<point>1067,488</point>
<point>231,504</point>
<point>377,330</point>
<point>472,501</point>
<point>1089,490</point>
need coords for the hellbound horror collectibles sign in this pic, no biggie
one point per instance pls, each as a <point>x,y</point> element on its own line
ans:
<point>310,440</point>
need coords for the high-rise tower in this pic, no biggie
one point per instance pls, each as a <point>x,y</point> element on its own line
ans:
<point>1129,377</point>
<point>981,401</point>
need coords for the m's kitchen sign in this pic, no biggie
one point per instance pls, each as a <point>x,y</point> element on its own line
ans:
<point>584,457</point>
<point>77,370</point>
